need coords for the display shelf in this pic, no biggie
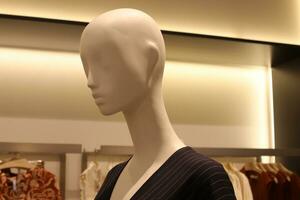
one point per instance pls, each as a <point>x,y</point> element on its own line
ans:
<point>112,150</point>
<point>219,152</point>
<point>41,148</point>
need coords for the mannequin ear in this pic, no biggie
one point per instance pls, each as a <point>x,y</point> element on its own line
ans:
<point>152,58</point>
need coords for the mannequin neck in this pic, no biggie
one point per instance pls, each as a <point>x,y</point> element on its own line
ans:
<point>150,129</point>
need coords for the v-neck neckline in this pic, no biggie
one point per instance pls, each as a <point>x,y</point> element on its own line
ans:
<point>155,174</point>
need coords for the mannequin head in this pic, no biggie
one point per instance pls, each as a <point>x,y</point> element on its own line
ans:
<point>123,55</point>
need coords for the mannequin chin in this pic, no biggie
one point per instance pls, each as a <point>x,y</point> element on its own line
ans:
<point>107,108</point>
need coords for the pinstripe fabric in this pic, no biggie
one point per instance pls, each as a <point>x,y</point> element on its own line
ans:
<point>186,175</point>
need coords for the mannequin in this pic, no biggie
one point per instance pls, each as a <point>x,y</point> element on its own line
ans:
<point>123,54</point>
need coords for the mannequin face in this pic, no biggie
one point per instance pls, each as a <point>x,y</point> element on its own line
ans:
<point>112,74</point>
<point>123,55</point>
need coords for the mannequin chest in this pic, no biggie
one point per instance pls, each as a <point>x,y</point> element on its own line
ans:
<point>185,175</point>
<point>131,180</point>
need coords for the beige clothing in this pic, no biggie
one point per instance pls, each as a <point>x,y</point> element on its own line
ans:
<point>89,180</point>
<point>106,163</point>
<point>245,185</point>
<point>93,177</point>
<point>235,183</point>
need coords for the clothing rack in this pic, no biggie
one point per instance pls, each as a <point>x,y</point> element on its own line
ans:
<point>44,149</point>
<point>207,151</point>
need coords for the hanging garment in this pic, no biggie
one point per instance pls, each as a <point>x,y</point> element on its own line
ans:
<point>294,188</point>
<point>105,164</point>
<point>239,181</point>
<point>34,184</point>
<point>186,175</point>
<point>235,183</point>
<point>261,184</point>
<point>245,186</point>
<point>93,177</point>
<point>278,190</point>
<point>89,181</point>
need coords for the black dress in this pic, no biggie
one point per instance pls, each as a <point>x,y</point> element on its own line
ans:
<point>186,175</point>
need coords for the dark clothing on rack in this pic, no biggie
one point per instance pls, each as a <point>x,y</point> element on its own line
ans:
<point>294,188</point>
<point>278,192</point>
<point>261,184</point>
<point>271,186</point>
<point>186,175</point>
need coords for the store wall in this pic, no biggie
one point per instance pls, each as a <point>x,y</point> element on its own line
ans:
<point>44,98</point>
<point>267,20</point>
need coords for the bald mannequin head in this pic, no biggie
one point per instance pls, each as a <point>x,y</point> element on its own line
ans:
<point>123,55</point>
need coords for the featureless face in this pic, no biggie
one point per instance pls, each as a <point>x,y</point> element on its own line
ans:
<point>113,71</point>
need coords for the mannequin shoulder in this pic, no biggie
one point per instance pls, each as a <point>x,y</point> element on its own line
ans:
<point>210,172</point>
<point>210,178</point>
<point>203,164</point>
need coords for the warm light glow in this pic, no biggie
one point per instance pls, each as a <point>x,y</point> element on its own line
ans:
<point>230,101</point>
<point>37,57</point>
<point>270,159</point>
<point>244,86</point>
